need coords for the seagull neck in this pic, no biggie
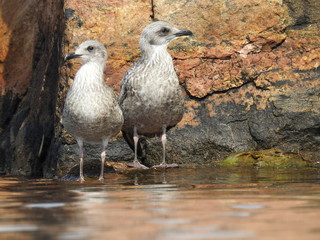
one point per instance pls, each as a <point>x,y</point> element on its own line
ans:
<point>155,53</point>
<point>94,66</point>
<point>90,72</point>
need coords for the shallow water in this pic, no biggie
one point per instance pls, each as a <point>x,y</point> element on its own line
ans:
<point>185,203</point>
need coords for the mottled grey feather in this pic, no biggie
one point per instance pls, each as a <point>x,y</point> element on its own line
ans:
<point>91,111</point>
<point>151,97</point>
<point>150,94</point>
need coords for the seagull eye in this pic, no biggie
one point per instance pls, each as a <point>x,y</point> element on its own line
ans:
<point>164,30</point>
<point>90,48</point>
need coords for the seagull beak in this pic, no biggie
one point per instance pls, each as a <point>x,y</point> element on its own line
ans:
<point>71,56</point>
<point>183,32</point>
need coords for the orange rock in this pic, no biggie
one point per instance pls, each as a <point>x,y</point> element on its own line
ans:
<point>244,59</point>
<point>117,24</point>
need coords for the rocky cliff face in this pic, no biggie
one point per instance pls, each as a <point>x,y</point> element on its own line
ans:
<point>30,33</point>
<point>250,75</point>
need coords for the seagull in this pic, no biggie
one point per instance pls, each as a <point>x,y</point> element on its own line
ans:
<point>151,97</point>
<point>91,112</point>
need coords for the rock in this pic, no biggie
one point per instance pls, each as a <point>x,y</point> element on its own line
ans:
<point>222,30</point>
<point>117,24</point>
<point>250,75</point>
<point>270,158</point>
<point>303,12</point>
<point>90,170</point>
<point>117,151</point>
<point>31,37</point>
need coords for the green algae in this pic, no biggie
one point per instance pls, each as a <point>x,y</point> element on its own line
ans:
<point>270,158</point>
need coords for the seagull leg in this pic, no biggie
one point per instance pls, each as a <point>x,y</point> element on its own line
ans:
<point>163,164</point>
<point>103,158</point>
<point>136,163</point>
<point>80,143</point>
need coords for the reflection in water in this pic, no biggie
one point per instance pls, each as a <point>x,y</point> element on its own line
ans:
<point>44,205</point>
<point>248,206</point>
<point>206,232</point>
<point>235,214</point>
<point>18,228</point>
<point>163,205</point>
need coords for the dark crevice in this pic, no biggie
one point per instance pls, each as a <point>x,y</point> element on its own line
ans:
<point>278,44</point>
<point>152,15</point>
<point>299,26</point>
<point>204,58</point>
<point>258,87</point>
<point>10,104</point>
<point>216,58</point>
<point>237,121</point>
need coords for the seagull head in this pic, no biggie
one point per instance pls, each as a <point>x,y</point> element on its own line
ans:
<point>161,33</point>
<point>89,51</point>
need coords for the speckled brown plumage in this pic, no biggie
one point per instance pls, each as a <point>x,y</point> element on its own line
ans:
<point>151,98</point>
<point>91,112</point>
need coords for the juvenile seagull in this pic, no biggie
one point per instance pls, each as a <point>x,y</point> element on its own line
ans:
<point>91,112</point>
<point>150,97</point>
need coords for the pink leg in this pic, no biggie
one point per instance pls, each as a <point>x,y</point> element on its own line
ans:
<point>163,164</point>
<point>136,163</point>
<point>164,142</point>
<point>103,158</point>
<point>80,143</point>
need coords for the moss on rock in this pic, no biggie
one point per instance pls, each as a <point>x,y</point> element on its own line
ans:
<point>273,158</point>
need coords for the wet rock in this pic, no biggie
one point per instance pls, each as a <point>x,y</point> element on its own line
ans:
<point>117,152</point>
<point>273,158</point>
<point>90,170</point>
<point>30,43</point>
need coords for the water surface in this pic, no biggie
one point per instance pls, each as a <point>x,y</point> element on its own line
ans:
<point>185,203</point>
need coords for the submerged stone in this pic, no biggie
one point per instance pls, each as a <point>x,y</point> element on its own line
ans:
<point>273,158</point>
<point>91,169</point>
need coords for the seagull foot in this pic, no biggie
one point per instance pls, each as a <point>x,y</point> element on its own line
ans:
<point>166,165</point>
<point>136,164</point>
<point>81,179</point>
